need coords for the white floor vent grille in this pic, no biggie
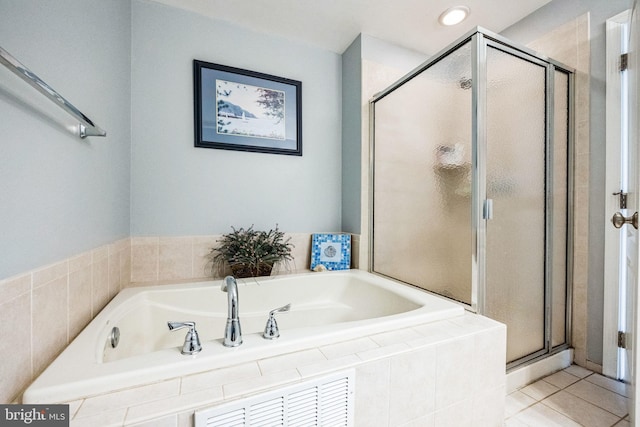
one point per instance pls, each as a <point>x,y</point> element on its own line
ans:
<point>324,402</point>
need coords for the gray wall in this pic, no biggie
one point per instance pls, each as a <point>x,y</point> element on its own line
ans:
<point>535,25</point>
<point>359,84</point>
<point>352,137</point>
<point>181,190</point>
<point>61,195</point>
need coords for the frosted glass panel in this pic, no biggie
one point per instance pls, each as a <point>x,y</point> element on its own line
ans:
<point>422,181</point>
<point>429,183</point>
<point>515,265</point>
<point>560,206</point>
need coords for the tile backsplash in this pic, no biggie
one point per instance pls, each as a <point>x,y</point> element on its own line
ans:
<point>159,259</point>
<point>43,310</point>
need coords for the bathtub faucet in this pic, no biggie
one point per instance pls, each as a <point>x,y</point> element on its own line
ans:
<point>232,332</point>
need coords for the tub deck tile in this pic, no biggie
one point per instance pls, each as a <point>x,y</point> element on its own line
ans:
<point>333,351</point>
<point>258,384</point>
<point>475,322</point>
<point>74,406</point>
<point>434,331</point>
<point>219,377</point>
<point>467,325</point>
<point>107,419</point>
<point>122,399</point>
<point>329,366</point>
<point>395,337</point>
<point>282,363</point>
<point>164,407</point>
<point>382,352</point>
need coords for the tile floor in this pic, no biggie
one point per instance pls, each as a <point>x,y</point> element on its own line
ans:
<point>572,397</point>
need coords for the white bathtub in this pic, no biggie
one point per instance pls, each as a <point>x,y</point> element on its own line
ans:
<point>326,308</point>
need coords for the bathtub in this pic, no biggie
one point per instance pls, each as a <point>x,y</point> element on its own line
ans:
<point>326,308</point>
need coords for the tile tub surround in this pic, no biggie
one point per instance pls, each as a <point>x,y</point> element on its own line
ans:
<point>163,258</point>
<point>427,375</point>
<point>43,310</point>
<point>54,303</point>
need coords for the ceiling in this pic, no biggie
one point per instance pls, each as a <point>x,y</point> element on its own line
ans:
<point>334,24</point>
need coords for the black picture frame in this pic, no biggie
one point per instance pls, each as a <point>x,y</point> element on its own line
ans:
<point>243,110</point>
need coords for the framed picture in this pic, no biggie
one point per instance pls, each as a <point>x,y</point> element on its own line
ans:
<point>238,109</point>
<point>333,251</point>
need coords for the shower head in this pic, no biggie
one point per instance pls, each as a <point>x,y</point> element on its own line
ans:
<point>465,83</point>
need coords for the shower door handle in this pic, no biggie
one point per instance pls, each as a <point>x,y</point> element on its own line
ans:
<point>487,209</point>
<point>619,220</point>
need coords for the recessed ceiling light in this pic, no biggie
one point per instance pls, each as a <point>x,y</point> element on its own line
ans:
<point>454,15</point>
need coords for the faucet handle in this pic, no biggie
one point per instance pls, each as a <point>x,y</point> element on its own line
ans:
<point>271,330</point>
<point>191,340</point>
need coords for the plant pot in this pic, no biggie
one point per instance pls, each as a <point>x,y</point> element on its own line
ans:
<point>244,270</point>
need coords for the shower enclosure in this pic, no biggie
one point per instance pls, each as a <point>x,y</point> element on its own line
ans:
<point>471,186</point>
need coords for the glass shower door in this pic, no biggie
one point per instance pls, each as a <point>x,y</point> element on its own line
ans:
<point>515,273</point>
<point>422,182</point>
<point>472,187</point>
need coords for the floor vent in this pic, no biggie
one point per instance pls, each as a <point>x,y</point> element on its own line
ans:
<point>326,401</point>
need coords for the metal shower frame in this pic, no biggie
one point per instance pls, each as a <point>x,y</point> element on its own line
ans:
<point>480,40</point>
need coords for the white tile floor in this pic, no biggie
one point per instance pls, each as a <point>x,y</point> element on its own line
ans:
<point>572,397</point>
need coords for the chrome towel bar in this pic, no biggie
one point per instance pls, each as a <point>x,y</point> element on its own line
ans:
<point>86,125</point>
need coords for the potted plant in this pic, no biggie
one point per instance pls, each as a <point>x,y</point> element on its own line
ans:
<point>250,253</point>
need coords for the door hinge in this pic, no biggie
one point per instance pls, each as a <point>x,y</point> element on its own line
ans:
<point>622,340</point>
<point>623,199</point>
<point>624,61</point>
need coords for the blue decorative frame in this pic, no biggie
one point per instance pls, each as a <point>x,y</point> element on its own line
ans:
<point>333,251</point>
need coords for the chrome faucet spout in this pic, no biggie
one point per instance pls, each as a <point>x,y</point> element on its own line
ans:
<point>232,332</point>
